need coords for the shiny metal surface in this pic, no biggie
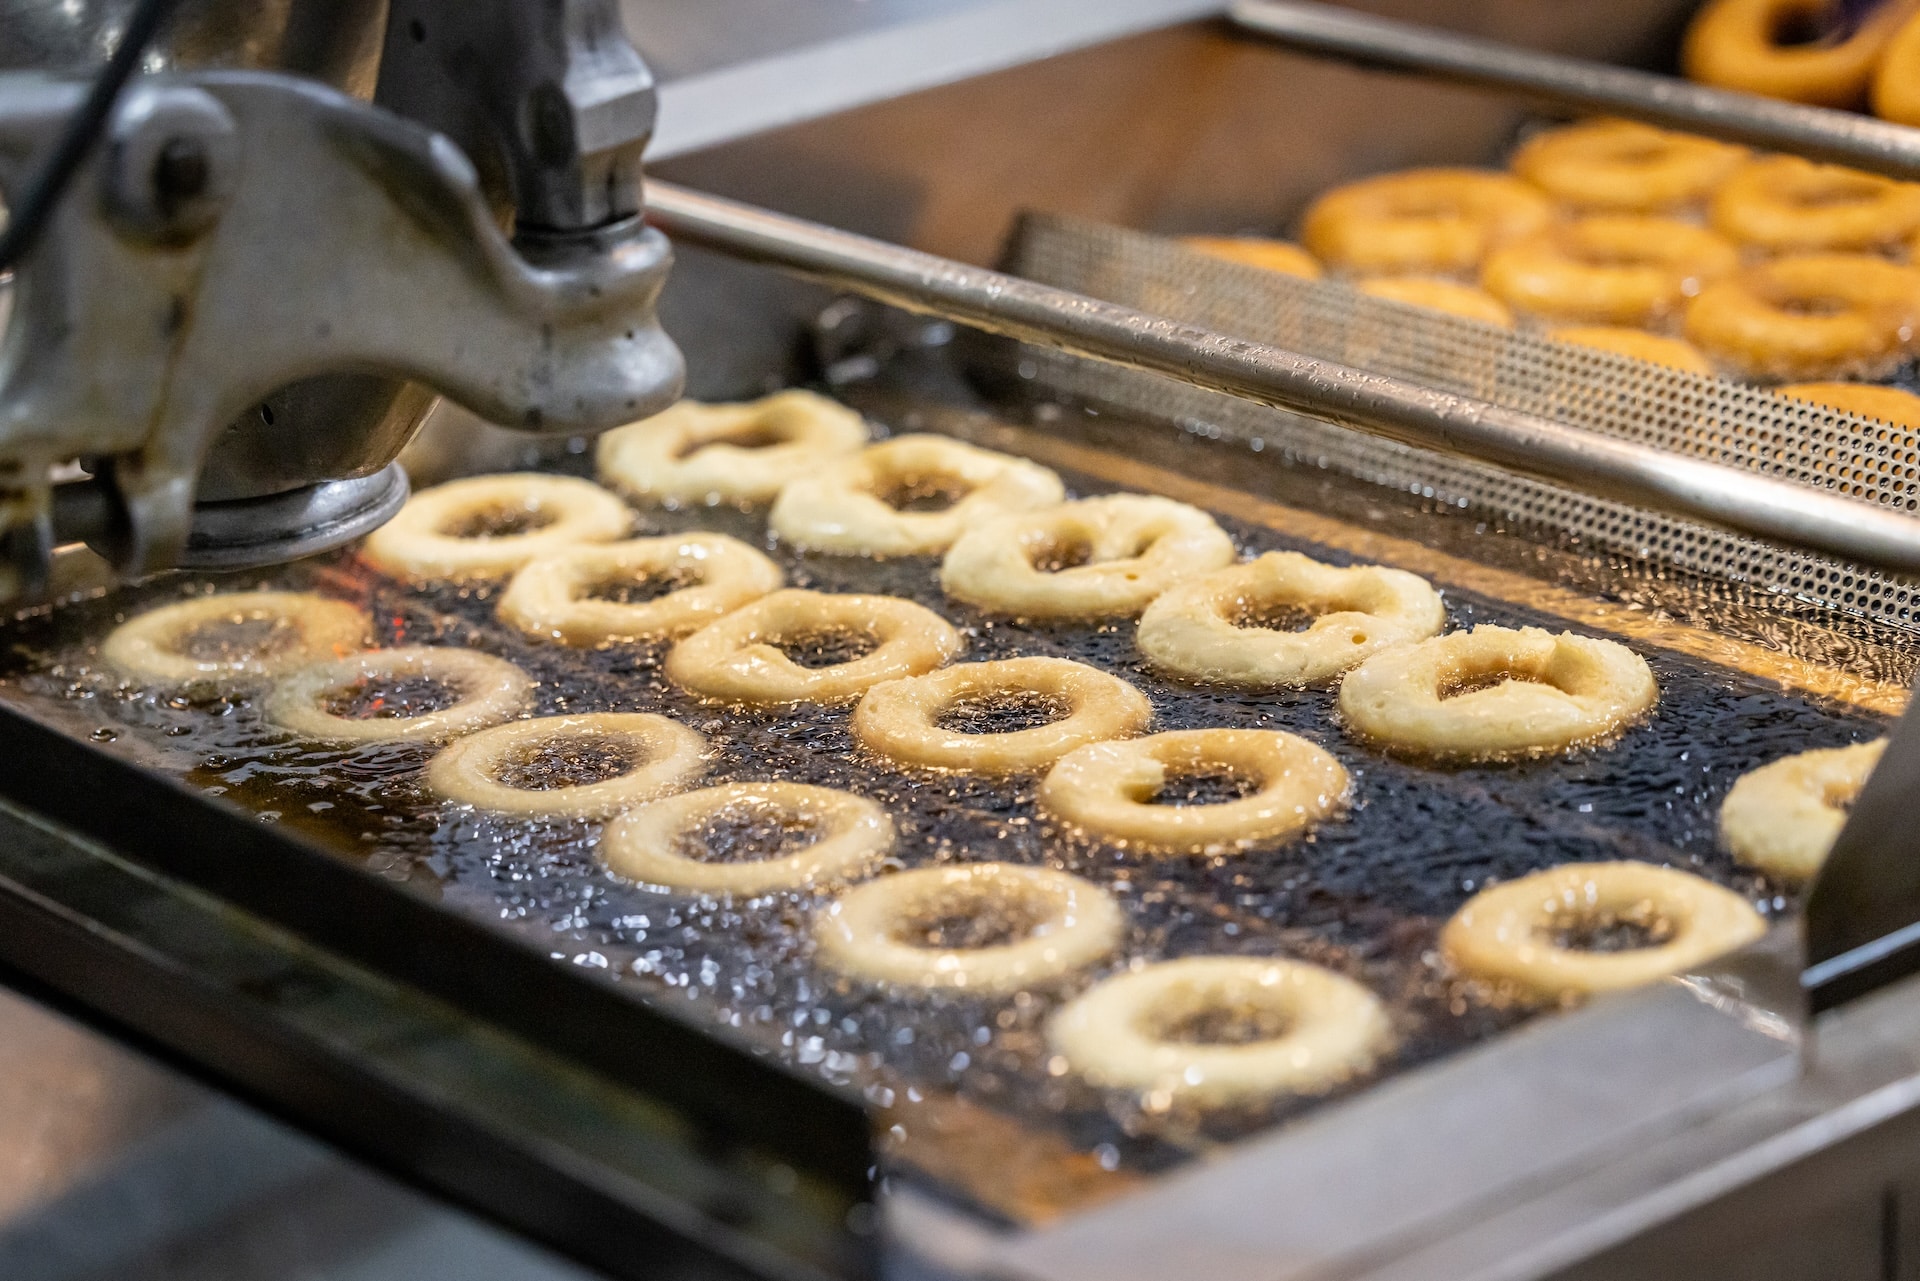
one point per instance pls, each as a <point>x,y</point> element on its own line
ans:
<point>1524,443</point>
<point>1820,134</point>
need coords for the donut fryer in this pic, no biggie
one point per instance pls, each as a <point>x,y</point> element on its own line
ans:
<point>654,1086</point>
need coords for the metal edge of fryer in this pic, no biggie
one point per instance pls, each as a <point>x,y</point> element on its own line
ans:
<point>175,940</point>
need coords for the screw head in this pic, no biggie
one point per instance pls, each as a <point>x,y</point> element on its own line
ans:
<point>172,158</point>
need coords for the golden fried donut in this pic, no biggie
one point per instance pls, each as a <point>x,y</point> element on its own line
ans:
<point>1496,692</point>
<point>1435,294</point>
<point>847,836</point>
<point>900,718</point>
<point>709,575</point>
<point>695,453</point>
<point>860,505</point>
<point>1107,789</point>
<point>233,636</point>
<point>1737,44</point>
<point>1810,316</point>
<point>1627,269</point>
<point>738,659</point>
<point>1896,80</point>
<point>1206,630</point>
<point>1215,1030</point>
<point>653,756</point>
<point>1255,251</point>
<point>1097,558</point>
<point>443,533</point>
<point>1516,933</point>
<point>1421,221</point>
<point>490,690</point>
<point>1622,166</point>
<point>893,930</point>
<point>1637,343</point>
<point>1783,818</point>
<point>1887,404</point>
<point>1784,204</point>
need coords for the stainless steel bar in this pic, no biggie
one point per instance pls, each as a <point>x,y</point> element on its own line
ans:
<point>1815,132</point>
<point>997,303</point>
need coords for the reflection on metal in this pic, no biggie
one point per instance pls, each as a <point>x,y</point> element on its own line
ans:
<point>1843,137</point>
<point>1524,443</point>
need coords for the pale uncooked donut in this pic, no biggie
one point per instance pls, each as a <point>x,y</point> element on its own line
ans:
<point>1783,818</point>
<point>491,690</point>
<point>1107,789</point>
<point>417,543</point>
<point>852,835</point>
<point>663,755</point>
<point>1071,923</point>
<point>1191,630</point>
<point>841,507</point>
<point>1559,691</point>
<point>1123,1032</point>
<point>897,719</point>
<point>1137,546</point>
<point>1506,933</point>
<point>153,647</point>
<point>695,453</point>
<point>551,596</point>
<point>738,659</point>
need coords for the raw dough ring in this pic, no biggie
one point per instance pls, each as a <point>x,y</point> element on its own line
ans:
<point>1809,316</point>
<point>1559,691</point>
<point>897,719</point>
<point>1787,204</point>
<point>1071,923</point>
<point>1636,343</point>
<point>1732,44</point>
<point>1123,1033</point>
<point>1191,631</point>
<point>1432,293</point>
<point>1137,546</point>
<point>1625,166</point>
<point>1505,933</point>
<point>550,596</point>
<point>842,506</point>
<point>1783,818</point>
<point>663,756</point>
<point>1621,269</point>
<point>423,543</point>
<point>1421,221</point>
<point>647,844</point>
<point>695,453</point>
<point>491,690</point>
<point>1282,256</point>
<point>1107,789</point>
<point>149,646</point>
<point>738,659</point>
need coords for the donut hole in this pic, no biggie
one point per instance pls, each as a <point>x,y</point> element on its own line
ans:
<point>1803,27</point>
<point>826,647</point>
<point>1271,615</point>
<point>498,520</point>
<point>1052,555</point>
<point>1214,1020</point>
<point>1203,784</point>
<point>389,698</point>
<point>1001,712</point>
<point>232,640</point>
<point>935,492</point>
<point>1836,191</point>
<point>1811,305</point>
<point>1840,794</point>
<point>967,921</point>
<point>1629,929</point>
<point>567,761</point>
<point>639,589</point>
<point>746,436</point>
<point>749,833</point>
